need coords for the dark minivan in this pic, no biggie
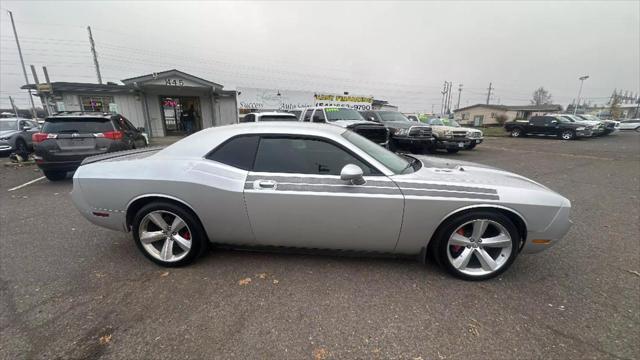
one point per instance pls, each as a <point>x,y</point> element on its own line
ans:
<point>68,138</point>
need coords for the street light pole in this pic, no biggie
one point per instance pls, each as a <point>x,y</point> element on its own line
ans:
<point>582,79</point>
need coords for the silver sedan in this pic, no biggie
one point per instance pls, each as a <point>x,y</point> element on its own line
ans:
<point>317,186</point>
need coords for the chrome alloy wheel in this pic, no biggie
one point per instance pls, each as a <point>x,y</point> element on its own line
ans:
<point>515,132</point>
<point>479,247</point>
<point>165,236</point>
<point>567,135</point>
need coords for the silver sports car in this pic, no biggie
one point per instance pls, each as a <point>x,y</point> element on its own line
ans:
<point>317,186</point>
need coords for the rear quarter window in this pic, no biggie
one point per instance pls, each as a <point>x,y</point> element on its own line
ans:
<point>238,152</point>
<point>77,125</point>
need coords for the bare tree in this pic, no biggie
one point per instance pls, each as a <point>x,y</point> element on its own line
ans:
<point>541,97</point>
<point>614,105</point>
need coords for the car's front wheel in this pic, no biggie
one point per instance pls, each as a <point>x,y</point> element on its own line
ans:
<point>477,245</point>
<point>568,135</point>
<point>471,146</point>
<point>168,234</point>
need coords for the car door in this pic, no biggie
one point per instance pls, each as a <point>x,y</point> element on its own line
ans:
<point>537,125</point>
<point>30,129</point>
<point>138,138</point>
<point>295,198</point>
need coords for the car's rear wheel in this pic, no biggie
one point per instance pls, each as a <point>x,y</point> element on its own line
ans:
<point>567,135</point>
<point>516,132</point>
<point>168,234</point>
<point>21,148</point>
<point>477,245</point>
<point>55,175</point>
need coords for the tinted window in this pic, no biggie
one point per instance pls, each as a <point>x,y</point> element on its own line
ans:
<point>303,156</point>
<point>537,121</point>
<point>237,152</point>
<point>77,125</point>
<point>307,115</point>
<point>318,116</point>
<point>278,118</point>
<point>248,118</point>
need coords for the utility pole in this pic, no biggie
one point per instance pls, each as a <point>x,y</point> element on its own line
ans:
<point>489,93</point>
<point>443,92</point>
<point>24,70</point>
<point>450,97</point>
<point>95,55</point>
<point>13,106</point>
<point>582,79</point>
<point>459,93</point>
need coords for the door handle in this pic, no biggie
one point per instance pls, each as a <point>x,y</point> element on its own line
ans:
<point>265,184</point>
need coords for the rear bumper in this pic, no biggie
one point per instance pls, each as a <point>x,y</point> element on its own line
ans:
<point>108,218</point>
<point>49,161</point>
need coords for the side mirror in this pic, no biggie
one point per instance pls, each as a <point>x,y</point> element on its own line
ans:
<point>26,128</point>
<point>353,174</point>
<point>371,118</point>
<point>554,122</point>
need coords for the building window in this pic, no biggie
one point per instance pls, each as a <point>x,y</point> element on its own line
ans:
<point>465,116</point>
<point>493,115</point>
<point>477,120</point>
<point>96,103</point>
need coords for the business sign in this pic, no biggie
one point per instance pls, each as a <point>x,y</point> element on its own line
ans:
<point>351,101</point>
<point>273,99</point>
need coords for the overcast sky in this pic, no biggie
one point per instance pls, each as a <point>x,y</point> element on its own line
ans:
<point>397,51</point>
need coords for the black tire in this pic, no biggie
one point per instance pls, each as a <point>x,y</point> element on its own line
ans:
<point>392,146</point>
<point>445,231</point>
<point>567,135</point>
<point>638,129</point>
<point>517,132</point>
<point>55,175</point>
<point>198,236</point>
<point>21,148</point>
<point>452,151</point>
<point>471,146</point>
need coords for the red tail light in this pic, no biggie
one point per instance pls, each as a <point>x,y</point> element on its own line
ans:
<point>113,135</point>
<point>40,137</point>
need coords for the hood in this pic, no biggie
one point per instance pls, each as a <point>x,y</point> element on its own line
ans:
<point>7,133</point>
<point>348,123</point>
<point>469,129</point>
<point>468,173</point>
<point>446,127</point>
<point>404,124</point>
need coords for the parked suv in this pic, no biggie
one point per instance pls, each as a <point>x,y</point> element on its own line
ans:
<point>15,135</point>
<point>403,133</point>
<point>67,138</point>
<point>347,118</point>
<point>605,127</point>
<point>268,116</point>
<point>549,125</point>
<point>450,138</point>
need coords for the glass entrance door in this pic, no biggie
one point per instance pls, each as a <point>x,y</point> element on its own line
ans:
<point>180,115</point>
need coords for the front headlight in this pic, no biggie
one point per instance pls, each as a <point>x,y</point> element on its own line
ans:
<point>581,128</point>
<point>402,132</point>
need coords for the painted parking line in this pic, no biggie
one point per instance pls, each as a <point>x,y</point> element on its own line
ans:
<point>26,184</point>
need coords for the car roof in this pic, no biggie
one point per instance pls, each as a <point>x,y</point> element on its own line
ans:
<point>13,119</point>
<point>272,113</point>
<point>203,141</point>
<point>81,114</point>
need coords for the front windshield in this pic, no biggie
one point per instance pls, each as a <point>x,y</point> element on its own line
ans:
<point>387,158</point>
<point>450,122</point>
<point>436,122</point>
<point>8,125</point>
<point>334,114</point>
<point>392,116</point>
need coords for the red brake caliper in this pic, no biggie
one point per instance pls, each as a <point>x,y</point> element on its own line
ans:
<point>456,248</point>
<point>185,234</point>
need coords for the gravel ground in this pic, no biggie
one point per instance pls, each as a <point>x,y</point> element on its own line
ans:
<point>73,290</point>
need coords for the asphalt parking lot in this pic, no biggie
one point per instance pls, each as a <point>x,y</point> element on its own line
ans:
<point>73,290</point>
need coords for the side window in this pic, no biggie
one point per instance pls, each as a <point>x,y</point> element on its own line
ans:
<point>307,115</point>
<point>304,156</point>
<point>368,115</point>
<point>248,118</point>
<point>318,116</point>
<point>22,124</point>
<point>238,152</point>
<point>537,121</point>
